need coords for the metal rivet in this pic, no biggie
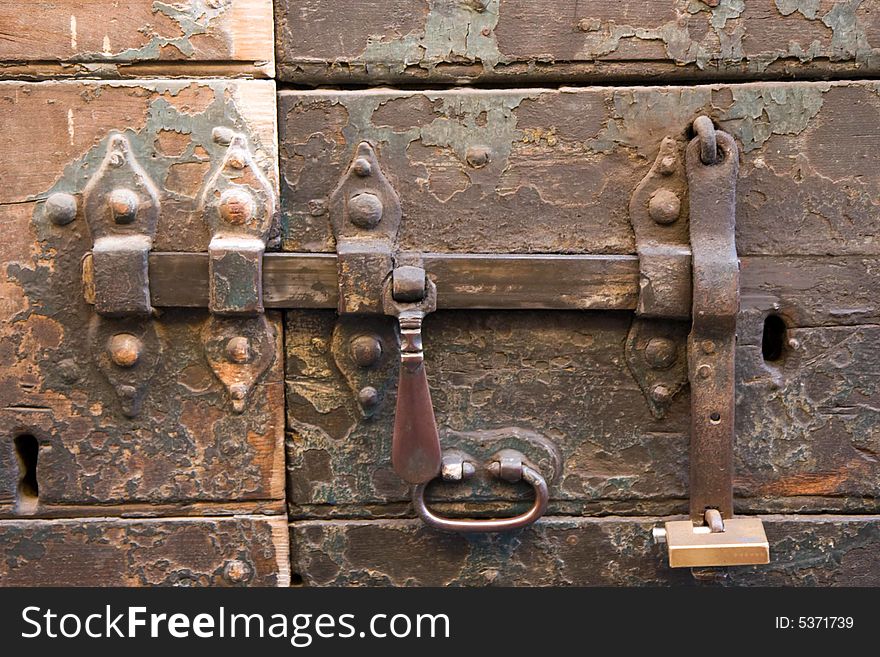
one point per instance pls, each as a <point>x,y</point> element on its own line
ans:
<point>236,158</point>
<point>661,394</point>
<point>485,31</point>
<point>794,344</point>
<point>317,207</point>
<point>368,397</point>
<point>667,165</point>
<point>236,206</point>
<point>237,571</point>
<point>222,136</point>
<point>365,210</point>
<point>664,206</point>
<point>362,167</point>
<point>125,349</point>
<point>661,353</point>
<point>69,370</point>
<point>61,208</point>
<point>116,159</point>
<point>704,371</point>
<point>366,350</point>
<point>123,205</point>
<point>238,350</point>
<point>478,156</point>
<point>708,347</point>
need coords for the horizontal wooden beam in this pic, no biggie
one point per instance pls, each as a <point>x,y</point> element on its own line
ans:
<point>476,281</point>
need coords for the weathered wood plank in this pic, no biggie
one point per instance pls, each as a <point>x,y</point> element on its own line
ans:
<point>185,446</point>
<point>805,551</point>
<point>806,436</point>
<point>240,551</point>
<point>529,41</point>
<point>132,38</point>
<point>563,163</point>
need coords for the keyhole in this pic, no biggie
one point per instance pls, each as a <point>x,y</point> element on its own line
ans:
<point>773,339</point>
<point>27,449</point>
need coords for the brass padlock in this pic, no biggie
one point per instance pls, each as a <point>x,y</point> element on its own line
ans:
<point>731,542</point>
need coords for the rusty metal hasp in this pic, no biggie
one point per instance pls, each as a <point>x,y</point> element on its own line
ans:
<point>712,536</point>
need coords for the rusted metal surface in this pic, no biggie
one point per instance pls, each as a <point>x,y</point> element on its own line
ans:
<point>134,38</point>
<point>823,550</point>
<point>415,443</point>
<point>712,340</point>
<point>240,551</point>
<point>364,211</point>
<point>185,452</point>
<point>528,41</point>
<point>508,465</point>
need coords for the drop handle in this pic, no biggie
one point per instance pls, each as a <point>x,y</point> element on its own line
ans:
<point>415,443</point>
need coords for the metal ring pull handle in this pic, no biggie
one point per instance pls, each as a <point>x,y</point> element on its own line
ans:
<point>509,465</point>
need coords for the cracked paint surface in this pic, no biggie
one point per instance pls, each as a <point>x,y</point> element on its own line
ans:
<point>489,39</point>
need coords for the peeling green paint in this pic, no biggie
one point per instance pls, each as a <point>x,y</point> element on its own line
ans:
<point>807,8</point>
<point>762,111</point>
<point>452,32</point>
<point>194,18</point>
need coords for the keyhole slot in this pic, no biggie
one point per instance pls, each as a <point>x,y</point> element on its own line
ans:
<point>27,450</point>
<point>774,338</point>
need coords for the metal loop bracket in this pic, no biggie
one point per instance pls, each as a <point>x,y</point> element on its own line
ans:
<point>508,465</point>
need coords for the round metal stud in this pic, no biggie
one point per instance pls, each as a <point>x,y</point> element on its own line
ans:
<point>236,158</point>
<point>61,208</point>
<point>236,206</point>
<point>667,165</point>
<point>125,349</point>
<point>238,350</point>
<point>664,206</point>
<point>478,156</point>
<point>362,167</point>
<point>661,394</point>
<point>365,210</point>
<point>704,371</point>
<point>366,350</point>
<point>368,397</point>
<point>660,353</point>
<point>123,205</point>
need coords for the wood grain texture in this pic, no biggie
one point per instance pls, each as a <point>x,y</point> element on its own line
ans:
<point>806,437</point>
<point>185,446</point>
<point>805,551</point>
<point>533,42</point>
<point>563,163</point>
<point>134,38</point>
<point>240,551</point>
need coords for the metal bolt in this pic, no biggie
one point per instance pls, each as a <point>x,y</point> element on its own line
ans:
<point>238,350</point>
<point>478,156</point>
<point>667,165</point>
<point>664,206</point>
<point>362,167</point>
<point>236,206</point>
<point>704,371</point>
<point>61,208</point>
<point>124,205</point>
<point>365,210</point>
<point>368,397</point>
<point>661,353</point>
<point>237,571</point>
<point>708,347</point>
<point>366,350</point>
<point>661,394</point>
<point>125,349</point>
